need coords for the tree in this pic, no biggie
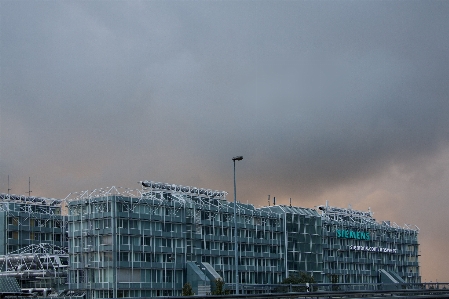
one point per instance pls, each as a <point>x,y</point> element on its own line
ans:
<point>187,290</point>
<point>220,287</point>
<point>298,279</point>
<point>334,281</point>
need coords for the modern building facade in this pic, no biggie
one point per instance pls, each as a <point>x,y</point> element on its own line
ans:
<point>33,241</point>
<point>150,242</point>
<point>30,220</point>
<point>139,246</point>
<point>357,249</point>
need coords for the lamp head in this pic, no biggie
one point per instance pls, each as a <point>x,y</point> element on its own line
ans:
<point>237,158</point>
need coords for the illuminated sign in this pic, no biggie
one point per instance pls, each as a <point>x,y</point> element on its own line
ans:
<point>372,249</point>
<point>349,234</point>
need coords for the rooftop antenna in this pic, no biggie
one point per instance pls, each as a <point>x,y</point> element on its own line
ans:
<point>29,187</point>
<point>268,199</point>
<point>9,189</point>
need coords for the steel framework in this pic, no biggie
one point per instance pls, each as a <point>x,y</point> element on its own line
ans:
<point>35,261</point>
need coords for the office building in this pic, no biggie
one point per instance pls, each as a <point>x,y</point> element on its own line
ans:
<point>33,242</point>
<point>151,241</point>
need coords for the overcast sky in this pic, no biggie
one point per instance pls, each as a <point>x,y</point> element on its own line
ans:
<point>345,101</point>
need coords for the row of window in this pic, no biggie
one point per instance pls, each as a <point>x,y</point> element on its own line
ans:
<point>126,275</point>
<point>347,266</point>
<point>95,241</point>
<point>125,223</point>
<point>151,257</point>
<point>103,207</point>
<point>33,222</point>
<point>210,245</point>
<point>162,276</point>
<point>242,233</point>
<point>14,235</point>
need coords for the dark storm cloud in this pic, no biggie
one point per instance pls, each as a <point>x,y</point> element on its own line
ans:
<point>324,92</point>
<point>355,119</point>
<point>315,95</point>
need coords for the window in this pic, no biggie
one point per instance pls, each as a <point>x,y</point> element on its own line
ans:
<point>48,237</point>
<point>169,276</point>
<point>13,235</point>
<point>167,227</point>
<point>13,221</point>
<point>146,241</point>
<point>145,224</point>
<point>149,257</point>
<point>106,256</point>
<point>168,258</point>
<point>122,223</point>
<point>35,236</point>
<point>123,256</point>
<point>166,243</point>
<point>138,257</point>
<point>107,223</point>
<point>106,240</point>
<point>12,248</point>
<point>124,240</point>
<point>133,224</point>
<point>136,241</point>
<point>97,224</point>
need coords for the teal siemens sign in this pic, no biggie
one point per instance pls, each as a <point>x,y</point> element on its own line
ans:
<point>349,234</point>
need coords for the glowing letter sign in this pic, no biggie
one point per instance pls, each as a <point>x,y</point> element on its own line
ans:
<point>349,234</point>
<point>373,249</point>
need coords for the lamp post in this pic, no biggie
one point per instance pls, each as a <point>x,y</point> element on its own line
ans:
<point>237,158</point>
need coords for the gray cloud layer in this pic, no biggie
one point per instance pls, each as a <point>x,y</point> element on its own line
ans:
<point>317,97</point>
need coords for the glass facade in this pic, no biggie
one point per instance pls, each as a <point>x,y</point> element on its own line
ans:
<point>356,248</point>
<point>150,242</point>
<point>133,246</point>
<point>33,241</point>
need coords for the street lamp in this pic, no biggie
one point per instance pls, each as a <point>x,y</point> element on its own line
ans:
<point>237,158</point>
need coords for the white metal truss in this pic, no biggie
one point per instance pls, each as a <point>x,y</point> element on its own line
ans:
<point>35,261</point>
<point>32,206</point>
<point>351,217</point>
